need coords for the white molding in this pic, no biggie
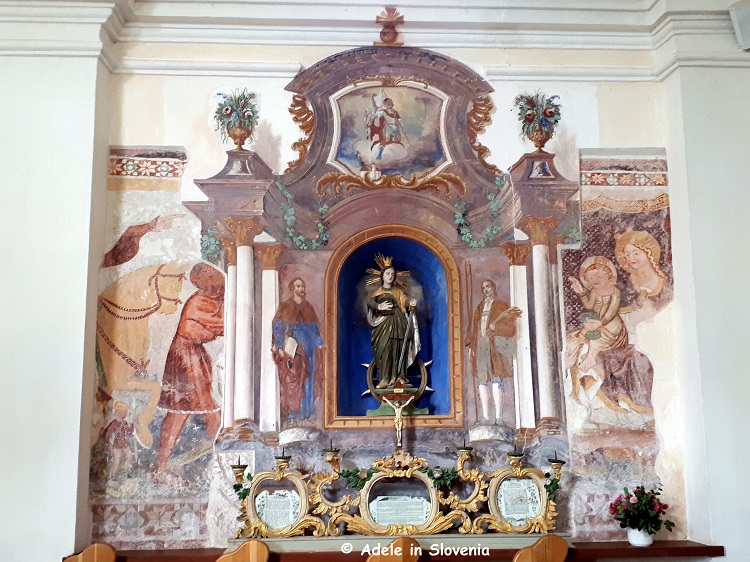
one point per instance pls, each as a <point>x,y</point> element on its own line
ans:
<point>206,68</point>
<point>568,73</point>
<point>589,74</point>
<point>678,33</point>
<point>700,60</point>
<point>56,28</point>
<point>563,24</point>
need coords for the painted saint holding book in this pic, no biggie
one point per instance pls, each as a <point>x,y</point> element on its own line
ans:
<point>296,337</point>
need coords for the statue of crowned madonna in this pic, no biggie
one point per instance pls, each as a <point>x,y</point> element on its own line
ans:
<point>391,314</point>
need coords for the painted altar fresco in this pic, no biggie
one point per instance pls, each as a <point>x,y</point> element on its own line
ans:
<point>516,311</point>
<point>390,130</point>
<point>617,290</point>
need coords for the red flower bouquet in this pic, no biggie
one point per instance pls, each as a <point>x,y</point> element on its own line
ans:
<point>641,509</point>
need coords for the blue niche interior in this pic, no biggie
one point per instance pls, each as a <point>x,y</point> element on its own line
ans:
<point>428,284</point>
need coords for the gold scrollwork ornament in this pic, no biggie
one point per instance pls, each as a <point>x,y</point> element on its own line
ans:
<point>541,522</point>
<point>256,527</point>
<point>473,476</point>
<point>402,465</point>
<point>335,510</point>
<point>304,117</point>
<point>373,179</point>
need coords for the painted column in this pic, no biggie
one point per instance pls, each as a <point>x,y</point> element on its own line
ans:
<point>539,230</point>
<point>269,417</point>
<point>244,230</point>
<point>518,253</point>
<point>559,307</point>
<point>230,331</point>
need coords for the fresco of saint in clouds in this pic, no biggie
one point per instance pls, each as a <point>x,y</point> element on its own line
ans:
<point>392,131</point>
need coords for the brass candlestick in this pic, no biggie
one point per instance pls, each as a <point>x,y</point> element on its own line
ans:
<point>239,471</point>
<point>282,462</point>
<point>330,454</point>
<point>514,458</point>
<point>556,465</point>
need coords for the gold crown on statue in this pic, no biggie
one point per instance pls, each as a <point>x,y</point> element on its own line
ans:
<point>384,262</point>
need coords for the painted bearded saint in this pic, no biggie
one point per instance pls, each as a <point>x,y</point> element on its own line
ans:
<point>395,334</point>
<point>296,336</point>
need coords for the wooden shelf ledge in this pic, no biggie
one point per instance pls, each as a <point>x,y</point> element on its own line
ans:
<point>579,551</point>
<point>660,549</point>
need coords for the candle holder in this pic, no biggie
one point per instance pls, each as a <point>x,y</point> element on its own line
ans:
<point>330,454</point>
<point>239,472</point>
<point>464,453</point>
<point>282,463</point>
<point>556,465</point>
<point>514,458</point>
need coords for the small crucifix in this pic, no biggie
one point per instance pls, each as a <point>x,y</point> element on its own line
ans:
<point>398,405</point>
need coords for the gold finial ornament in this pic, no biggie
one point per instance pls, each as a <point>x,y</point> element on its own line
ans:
<point>389,19</point>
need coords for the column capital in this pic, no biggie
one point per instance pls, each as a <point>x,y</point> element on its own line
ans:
<point>538,229</point>
<point>245,229</point>
<point>230,248</point>
<point>269,254</point>
<point>516,252</point>
<point>554,242</point>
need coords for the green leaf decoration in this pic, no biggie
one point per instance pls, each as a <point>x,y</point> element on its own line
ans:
<point>290,220</point>
<point>357,477</point>
<point>461,221</point>
<point>552,485</point>
<point>442,476</point>
<point>241,490</point>
<point>211,246</point>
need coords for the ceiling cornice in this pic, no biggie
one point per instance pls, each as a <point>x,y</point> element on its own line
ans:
<point>674,33</point>
<point>65,28</point>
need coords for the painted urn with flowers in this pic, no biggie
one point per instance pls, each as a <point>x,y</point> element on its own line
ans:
<point>640,512</point>
<point>539,114</point>
<point>237,116</point>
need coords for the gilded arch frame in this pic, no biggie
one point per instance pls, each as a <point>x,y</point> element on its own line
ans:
<point>455,418</point>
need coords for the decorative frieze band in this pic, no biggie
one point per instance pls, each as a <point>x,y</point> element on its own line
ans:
<point>146,167</point>
<point>636,206</point>
<point>628,179</point>
<point>623,171</point>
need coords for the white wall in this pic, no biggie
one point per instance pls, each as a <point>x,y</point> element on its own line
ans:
<point>46,151</point>
<point>716,148</point>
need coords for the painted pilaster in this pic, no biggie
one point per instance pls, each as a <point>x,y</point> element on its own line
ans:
<point>244,230</point>
<point>230,332</point>
<point>518,253</point>
<point>539,230</point>
<point>269,417</point>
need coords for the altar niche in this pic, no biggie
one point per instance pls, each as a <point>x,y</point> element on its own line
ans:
<point>433,282</point>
